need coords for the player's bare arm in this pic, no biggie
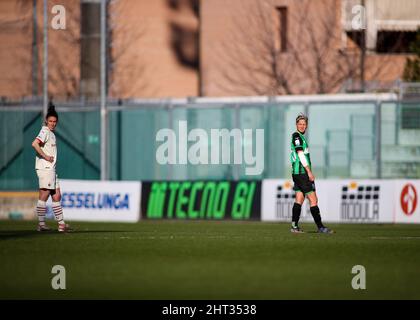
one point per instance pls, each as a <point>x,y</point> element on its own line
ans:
<point>37,147</point>
<point>305,164</point>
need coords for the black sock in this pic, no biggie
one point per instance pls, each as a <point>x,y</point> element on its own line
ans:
<point>316,216</point>
<point>296,214</point>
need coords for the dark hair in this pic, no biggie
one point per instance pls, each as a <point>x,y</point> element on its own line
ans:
<point>51,111</point>
<point>301,116</point>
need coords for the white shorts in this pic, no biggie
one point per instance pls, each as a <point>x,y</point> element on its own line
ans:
<point>48,179</point>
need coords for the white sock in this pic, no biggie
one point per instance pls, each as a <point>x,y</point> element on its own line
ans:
<point>41,210</point>
<point>58,212</point>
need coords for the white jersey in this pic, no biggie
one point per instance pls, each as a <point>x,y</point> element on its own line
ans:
<point>48,145</point>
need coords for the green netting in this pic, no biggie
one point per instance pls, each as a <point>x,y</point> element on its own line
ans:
<point>342,137</point>
<point>77,138</point>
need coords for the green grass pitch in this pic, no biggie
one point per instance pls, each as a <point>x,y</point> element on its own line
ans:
<point>209,260</point>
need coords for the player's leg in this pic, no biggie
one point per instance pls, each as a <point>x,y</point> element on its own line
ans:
<point>44,193</point>
<point>297,206</point>
<point>313,201</point>
<point>308,187</point>
<point>57,208</point>
<point>41,209</point>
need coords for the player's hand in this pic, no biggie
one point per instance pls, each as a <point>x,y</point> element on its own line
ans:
<point>49,158</point>
<point>311,177</point>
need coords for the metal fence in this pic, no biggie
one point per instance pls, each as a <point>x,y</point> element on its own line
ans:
<point>350,136</point>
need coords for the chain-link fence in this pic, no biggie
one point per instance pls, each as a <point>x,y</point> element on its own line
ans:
<point>350,136</point>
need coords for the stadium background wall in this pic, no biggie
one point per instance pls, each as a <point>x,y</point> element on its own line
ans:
<point>363,136</point>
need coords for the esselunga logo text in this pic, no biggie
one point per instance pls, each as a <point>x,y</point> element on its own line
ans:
<point>92,200</point>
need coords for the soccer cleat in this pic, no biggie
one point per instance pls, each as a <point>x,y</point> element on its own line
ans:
<point>296,230</point>
<point>42,228</point>
<point>64,227</point>
<point>325,230</point>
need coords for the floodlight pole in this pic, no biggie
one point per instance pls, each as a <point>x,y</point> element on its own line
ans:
<point>45,65</point>
<point>35,92</point>
<point>378,139</point>
<point>363,50</point>
<point>104,153</point>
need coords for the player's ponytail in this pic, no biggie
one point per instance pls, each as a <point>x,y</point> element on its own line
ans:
<point>51,111</point>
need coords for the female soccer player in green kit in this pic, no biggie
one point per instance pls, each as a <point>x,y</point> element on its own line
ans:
<point>303,178</point>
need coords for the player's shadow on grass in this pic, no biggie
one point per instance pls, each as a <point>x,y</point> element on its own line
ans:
<point>15,234</point>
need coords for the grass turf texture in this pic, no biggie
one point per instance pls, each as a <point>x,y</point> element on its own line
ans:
<point>209,260</point>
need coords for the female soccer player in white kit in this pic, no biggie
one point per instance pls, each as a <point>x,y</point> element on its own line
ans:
<point>45,146</point>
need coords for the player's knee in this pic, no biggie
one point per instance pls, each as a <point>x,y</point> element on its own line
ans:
<point>299,196</point>
<point>43,194</point>
<point>299,199</point>
<point>313,200</point>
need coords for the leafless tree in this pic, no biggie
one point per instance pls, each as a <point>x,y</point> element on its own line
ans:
<point>20,50</point>
<point>64,77</point>
<point>314,62</point>
<point>257,65</point>
<point>124,60</point>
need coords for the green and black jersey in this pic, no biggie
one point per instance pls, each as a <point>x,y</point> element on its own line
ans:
<point>299,143</point>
